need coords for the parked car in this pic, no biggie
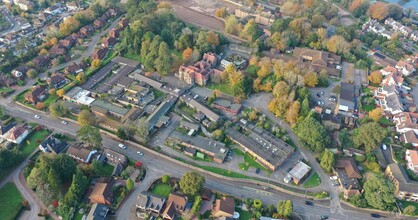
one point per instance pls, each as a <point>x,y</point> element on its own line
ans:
<point>122,146</point>
<point>143,175</point>
<point>309,203</point>
<point>140,153</point>
<point>37,116</point>
<point>64,122</point>
<point>374,215</point>
<point>323,217</point>
<point>317,94</point>
<point>257,170</point>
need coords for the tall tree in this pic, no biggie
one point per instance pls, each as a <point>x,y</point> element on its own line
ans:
<point>312,134</point>
<point>191,183</point>
<point>369,136</point>
<point>77,189</point>
<point>292,114</point>
<point>285,208</point>
<point>379,192</point>
<point>379,10</point>
<point>375,77</point>
<point>311,79</point>
<point>86,117</point>
<point>327,160</point>
<point>142,130</point>
<point>90,135</point>
<point>163,62</point>
<point>58,109</point>
<point>304,109</point>
<point>376,114</point>
<point>129,184</point>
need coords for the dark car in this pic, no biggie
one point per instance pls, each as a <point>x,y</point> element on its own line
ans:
<point>374,215</point>
<point>317,94</point>
<point>288,169</point>
<point>143,176</point>
<point>323,217</point>
<point>257,170</point>
<point>308,203</point>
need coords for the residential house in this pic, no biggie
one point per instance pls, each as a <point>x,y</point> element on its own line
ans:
<point>73,69</point>
<point>405,68</point>
<point>67,42</point>
<point>149,202</point>
<point>98,212</point>
<point>410,137</point>
<point>16,134</point>
<point>161,111</point>
<point>41,61</point>
<point>108,42</point>
<point>24,4</point>
<point>348,174</point>
<point>72,6</point>
<point>224,207</point>
<point>86,30</point>
<point>388,98</point>
<point>111,13</point>
<point>5,128</point>
<point>191,102</point>
<point>115,32</point>
<point>53,145</point>
<point>54,10</point>
<point>405,189</point>
<point>57,50</point>
<point>414,36</point>
<point>393,79</point>
<point>373,26</point>
<point>331,122</point>
<point>388,70</point>
<point>174,206</point>
<point>56,81</point>
<point>38,94</point>
<point>347,100</point>
<point>318,60</point>
<point>102,193</point>
<point>20,72</point>
<point>80,153</point>
<point>411,158</point>
<point>114,157</point>
<point>103,109</point>
<point>98,23</point>
<point>7,81</point>
<point>99,54</point>
<point>124,22</point>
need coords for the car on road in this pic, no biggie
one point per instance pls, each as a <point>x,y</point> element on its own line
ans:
<point>37,116</point>
<point>122,146</point>
<point>257,170</point>
<point>384,147</point>
<point>375,215</point>
<point>64,122</point>
<point>323,217</point>
<point>140,153</point>
<point>309,203</point>
<point>143,175</point>
<point>317,94</point>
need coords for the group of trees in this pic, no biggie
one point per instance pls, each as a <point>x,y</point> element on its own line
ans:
<point>240,83</point>
<point>250,31</point>
<point>284,209</point>
<point>327,160</point>
<point>312,134</point>
<point>192,183</point>
<point>49,175</point>
<point>75,193</point>
<point>155,32</point>
<point>91,135</point>
<point>9,158</point>
<point>368,136</point>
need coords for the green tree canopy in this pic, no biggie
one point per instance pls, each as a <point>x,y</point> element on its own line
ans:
<point>90,135</point>
<point>327,160</point>
<point>191,183</point>
<point>285,208</point>
<point>58,109</point>
<point>86,117</point>
<point>312,134</point>
<point>379,192</point>
<point>129,184</point>
<point>369,136</point>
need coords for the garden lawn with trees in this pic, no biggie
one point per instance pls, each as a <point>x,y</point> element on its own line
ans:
<point>10,202</point>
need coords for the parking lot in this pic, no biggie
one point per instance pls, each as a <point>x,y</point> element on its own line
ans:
<point>325,97</point>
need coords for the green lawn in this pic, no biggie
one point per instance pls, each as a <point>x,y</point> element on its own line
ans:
<point>223,87</point>
<point>133,57</point>
<point>78,216</point>
<point>158,93</point>
<point>10,202</point>
<point>107,170</point>
<point>35,138</point>
<point>187,110</point>
<point>244,215</point>
<point>313,181</point>
<point>161,189</point>
<point>249,161</point>
<point>406,203</point>
<point>50,99</point>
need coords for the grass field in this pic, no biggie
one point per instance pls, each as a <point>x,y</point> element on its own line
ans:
<point>33,141</point>
<point>406,203</point>
<point>107,170</point>
<point>248,161</point>
<point>244,215</point>
<point>223,87</point>
<point>10,202</point>
<point>313,181</point>
<point>161,189</point>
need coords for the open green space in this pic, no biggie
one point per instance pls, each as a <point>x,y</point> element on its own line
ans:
<point>313,181</point>
<point>35,138</point>
<point>249,161</point>
<point>133,57</point>
<point>223,87</point>
<point>10,202</point>
<point>50,99</point>
<point>405,204</point>
<point>205,159</point>
<point>158,93</point>
<point>107,170</point>
<point>161,189</point>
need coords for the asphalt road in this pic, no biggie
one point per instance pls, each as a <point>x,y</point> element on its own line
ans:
<point>157,166</point>
<point>16,26</point>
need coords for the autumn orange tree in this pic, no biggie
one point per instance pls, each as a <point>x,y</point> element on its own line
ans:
<point>376,114</point>
<point>292,113</point>
<point>379,10</point>
<point>311,79</point>
<point>187,54</point>
<point>40,105</point>
<point>61,92</point>
<point>221,12</point>
<point>375,77</point>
